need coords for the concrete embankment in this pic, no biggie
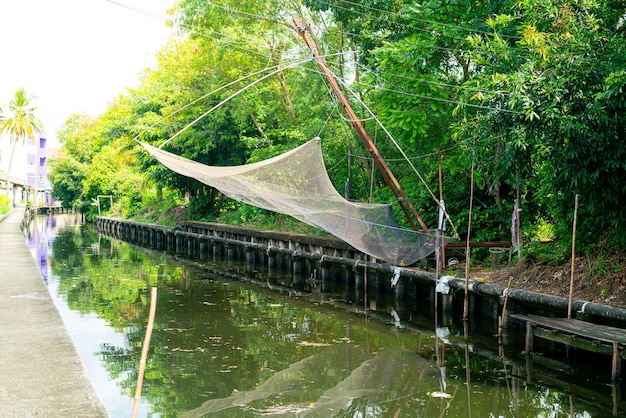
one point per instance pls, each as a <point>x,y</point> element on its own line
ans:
<point>203,239</point>
<point>41,374</point>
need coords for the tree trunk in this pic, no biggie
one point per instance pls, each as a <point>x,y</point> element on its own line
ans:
<point>258,128</point>
<point>281,82</point>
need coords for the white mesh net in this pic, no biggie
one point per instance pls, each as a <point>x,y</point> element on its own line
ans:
<point>296,184</point>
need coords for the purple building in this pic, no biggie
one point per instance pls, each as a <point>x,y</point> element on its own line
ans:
<point>37,172</point>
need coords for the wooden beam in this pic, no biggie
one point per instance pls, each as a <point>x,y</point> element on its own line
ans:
<point>616,365</point>
<point>565,329</point>
<point>485,244</point>
<point>390,179</point>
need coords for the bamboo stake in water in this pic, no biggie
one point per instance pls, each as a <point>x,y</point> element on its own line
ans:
<point>144,351</point>
<point>571,282</point>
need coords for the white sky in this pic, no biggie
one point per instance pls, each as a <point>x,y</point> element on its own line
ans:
<point>76,56</point>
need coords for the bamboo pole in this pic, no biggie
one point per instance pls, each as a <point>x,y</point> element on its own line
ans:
<point>468,371</point>
<point>144,351</point>
<point>571,281</point>
<point>437,273</point>
<point>401,197</point>
<point>468,248</point>
<point>503,317</point>
<point>518,224</point>
<point>443,247</point>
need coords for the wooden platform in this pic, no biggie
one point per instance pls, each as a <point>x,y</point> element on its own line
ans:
<point>595,338</point>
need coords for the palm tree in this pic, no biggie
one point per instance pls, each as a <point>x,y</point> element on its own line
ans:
<point>21,123</point>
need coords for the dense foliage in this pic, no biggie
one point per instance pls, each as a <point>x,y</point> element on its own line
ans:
<point>5,205</point>
<point>530,94</point>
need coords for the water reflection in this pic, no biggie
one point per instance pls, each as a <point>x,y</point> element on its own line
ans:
<point>225,347</point>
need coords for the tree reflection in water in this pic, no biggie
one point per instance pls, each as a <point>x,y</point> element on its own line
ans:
<point>227,348</point>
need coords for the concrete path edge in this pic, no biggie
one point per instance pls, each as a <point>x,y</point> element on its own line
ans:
<point>41,373</point>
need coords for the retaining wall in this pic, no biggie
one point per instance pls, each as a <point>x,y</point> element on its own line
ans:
<point>320,258</point>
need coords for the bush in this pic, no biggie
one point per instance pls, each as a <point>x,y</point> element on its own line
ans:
<point>5,204</point>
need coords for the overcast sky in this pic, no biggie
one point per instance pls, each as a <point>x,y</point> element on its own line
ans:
<point>76,56</point>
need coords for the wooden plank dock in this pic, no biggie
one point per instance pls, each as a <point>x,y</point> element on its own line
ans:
<point>580,334</point>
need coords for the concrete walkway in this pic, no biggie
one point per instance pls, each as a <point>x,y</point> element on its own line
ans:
<point>41,374</point>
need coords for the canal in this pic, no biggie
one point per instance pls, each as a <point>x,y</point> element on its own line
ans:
<point>228,342</point>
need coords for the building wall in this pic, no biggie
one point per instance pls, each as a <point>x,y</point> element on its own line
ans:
<point>37,170</point>
<point>29,170</point>
<point>18,169</point>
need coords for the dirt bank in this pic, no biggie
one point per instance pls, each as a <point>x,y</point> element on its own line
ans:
<point>597,278</point>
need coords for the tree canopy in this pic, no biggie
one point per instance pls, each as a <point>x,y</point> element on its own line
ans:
<point>530,93</point>
<point>20,124</point>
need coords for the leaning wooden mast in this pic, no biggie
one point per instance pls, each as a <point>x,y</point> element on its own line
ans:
<point>390,179</point>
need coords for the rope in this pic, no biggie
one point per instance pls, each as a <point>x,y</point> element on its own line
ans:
<point>393,140</point>
<point>274,70</point>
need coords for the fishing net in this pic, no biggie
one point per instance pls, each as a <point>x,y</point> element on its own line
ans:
<point>296,183</point>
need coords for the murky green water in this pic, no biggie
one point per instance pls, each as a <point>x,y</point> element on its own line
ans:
<point>227,348</point>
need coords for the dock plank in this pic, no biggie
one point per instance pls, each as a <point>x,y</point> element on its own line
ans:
<point>576,327</point>
<point>615,337</point>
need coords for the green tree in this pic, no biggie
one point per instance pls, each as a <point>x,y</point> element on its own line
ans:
<point>67,175</point>
<point>251,125</point>
<point>20,124</point>
<point>80,140</point>
<point>529,92</point>
<point>414,61</point>
<point>556,118</point>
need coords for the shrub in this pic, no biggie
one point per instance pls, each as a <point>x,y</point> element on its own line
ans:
<point>5,204</point>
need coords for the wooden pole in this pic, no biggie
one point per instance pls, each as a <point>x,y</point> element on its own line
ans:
<point>144,351</point>
<point>571,282</point>
<point>443,247</point>
<point>437,273</point>
<point>518,225</point>
<point>468,371</point>
<point>390,179</point>
<point>503,317</point>
<point>467,247</point>
<point>365,289</point>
